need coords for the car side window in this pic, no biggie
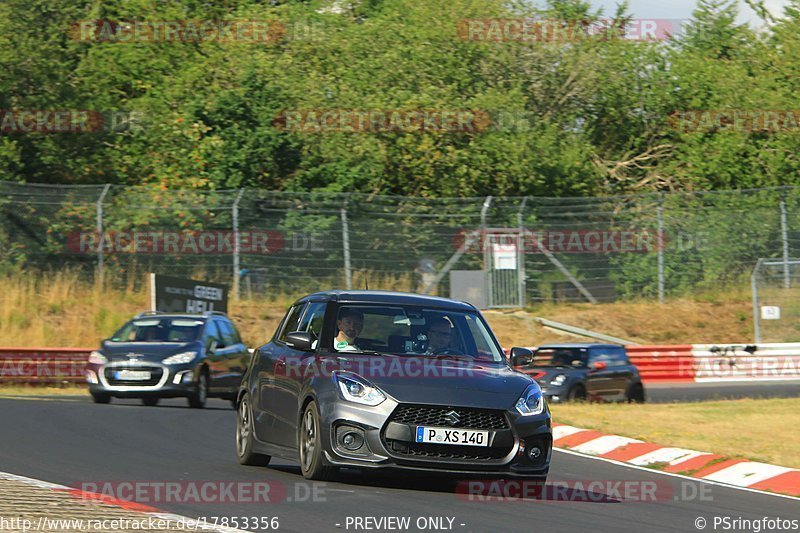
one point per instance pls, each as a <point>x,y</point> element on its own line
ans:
<point>609,356</point>
<point>212,334</point>
<point>292,321</point>
<point>312,319</point>
<point>227,332</point>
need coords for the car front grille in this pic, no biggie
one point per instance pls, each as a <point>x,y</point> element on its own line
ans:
<point>156,373</point>
<point>421,415</point>
<point>437,416</point>
<point>455,453</point>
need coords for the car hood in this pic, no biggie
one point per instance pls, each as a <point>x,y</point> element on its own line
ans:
<point>146,351</point>
<point>440,381</point>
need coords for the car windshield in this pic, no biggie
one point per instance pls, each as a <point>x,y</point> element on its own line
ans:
<point>412,330</point>
<point>559,357</point>
<point>160,330</point>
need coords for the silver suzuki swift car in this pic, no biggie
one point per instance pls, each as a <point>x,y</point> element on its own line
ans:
<point>373,379</point>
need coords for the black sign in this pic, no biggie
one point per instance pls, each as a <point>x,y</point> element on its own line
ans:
<point>178,295</point>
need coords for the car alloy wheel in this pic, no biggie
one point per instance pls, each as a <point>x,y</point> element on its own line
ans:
<point>310,443</point>
<point>245,437</point>
<point>309,437</point>
<point>200,394</point>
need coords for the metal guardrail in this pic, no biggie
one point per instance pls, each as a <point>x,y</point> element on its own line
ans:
<point>43,365</point>
<point>582,332</point>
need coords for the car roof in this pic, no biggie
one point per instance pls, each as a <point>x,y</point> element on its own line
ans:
<point>580,345</point>
<point>387,297</point>
<point>176,315</point>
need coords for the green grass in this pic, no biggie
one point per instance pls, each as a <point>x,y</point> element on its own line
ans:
<point>765,430</point>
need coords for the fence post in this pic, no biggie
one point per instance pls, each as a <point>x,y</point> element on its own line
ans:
<point>348,274</point>
<point>100,239</point>
<point>785,241</point>
<point>236,244</point>
<point>754,289</point>
<point>660,214</point>
<point>521,251</point>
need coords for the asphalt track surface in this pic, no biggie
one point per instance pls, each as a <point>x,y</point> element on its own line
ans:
<point>693,392</point>
<point>74,441</point>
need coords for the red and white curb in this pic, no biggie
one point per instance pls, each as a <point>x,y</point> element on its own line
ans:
<point>701,465</point>
<point>190,523</point>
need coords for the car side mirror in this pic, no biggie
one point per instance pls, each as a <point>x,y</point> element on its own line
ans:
<point>300,340</point>
<point>521,356</point>
<point>599,365</point>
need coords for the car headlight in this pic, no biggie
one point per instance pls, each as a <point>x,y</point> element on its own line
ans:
<point>558,380</point>
<point>97,358</point>
<point>531,402</point>
<point>354,388</point>
<point>180,358</point>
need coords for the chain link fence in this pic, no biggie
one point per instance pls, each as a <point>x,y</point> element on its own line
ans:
<point>267,243</point>
<point>775,285</point>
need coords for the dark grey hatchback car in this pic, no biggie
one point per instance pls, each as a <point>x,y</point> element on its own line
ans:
<point>374,379</point>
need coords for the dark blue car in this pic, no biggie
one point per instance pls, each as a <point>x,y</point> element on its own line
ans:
<point>595,372</point>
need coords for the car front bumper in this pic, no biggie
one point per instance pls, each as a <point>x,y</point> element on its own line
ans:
<point>166,380</point>
<point>388,443</point>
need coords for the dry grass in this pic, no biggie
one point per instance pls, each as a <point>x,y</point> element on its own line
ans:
<point>61,310</point>
<point>733,428</point>
<point>32,390</point>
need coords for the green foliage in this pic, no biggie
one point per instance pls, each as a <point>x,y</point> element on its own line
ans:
<point>582,118</point>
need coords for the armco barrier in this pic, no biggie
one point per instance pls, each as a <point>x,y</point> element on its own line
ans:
<point>663,363</point>
<point>739,362</point>
<point>43,365</point>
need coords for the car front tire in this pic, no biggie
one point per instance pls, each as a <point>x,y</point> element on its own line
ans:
<point>309,439</point>
<point>245,436</point>
<point>99,397</point>
<point>577,394</point>
<point>198,398</point>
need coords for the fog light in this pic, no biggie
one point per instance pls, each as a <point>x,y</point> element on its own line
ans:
<point>352,441</point>
<point>91,377</point>
<point>534,453</point>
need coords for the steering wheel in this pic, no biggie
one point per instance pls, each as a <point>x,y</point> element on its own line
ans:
<point>446,351</point>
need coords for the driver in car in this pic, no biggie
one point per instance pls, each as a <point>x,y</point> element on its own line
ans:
<point>350,324</point>
<point>439,335</point>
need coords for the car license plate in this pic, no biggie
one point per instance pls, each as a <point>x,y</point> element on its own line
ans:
<point>138,375</point>
<point>461,437</point>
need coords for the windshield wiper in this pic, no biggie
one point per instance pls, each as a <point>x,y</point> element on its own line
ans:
<point>362,352</point>
<point>459,357</point>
